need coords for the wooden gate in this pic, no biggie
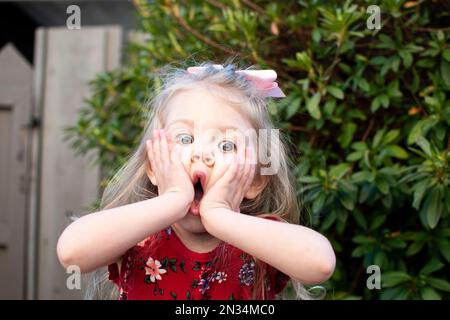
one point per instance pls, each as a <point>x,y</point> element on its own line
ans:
<point>42,182</point>
<point>16,77</point>
<point>68,184</point>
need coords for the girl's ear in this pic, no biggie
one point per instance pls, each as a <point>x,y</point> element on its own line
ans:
<point>258,185</point>
<point>150,174</point>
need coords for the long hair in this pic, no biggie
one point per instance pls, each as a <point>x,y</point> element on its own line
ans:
<point>278,198</point>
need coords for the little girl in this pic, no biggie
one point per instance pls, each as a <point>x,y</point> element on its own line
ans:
<point>195,213</point>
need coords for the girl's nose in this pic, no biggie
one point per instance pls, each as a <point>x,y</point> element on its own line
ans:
<point>201,154</point>
<point>209,160</point>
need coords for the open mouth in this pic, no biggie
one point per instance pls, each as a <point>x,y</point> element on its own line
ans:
<point>199,182</point>
<point>198,191</point>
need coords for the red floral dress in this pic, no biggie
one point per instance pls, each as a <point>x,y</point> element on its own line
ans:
<point>173,271</point>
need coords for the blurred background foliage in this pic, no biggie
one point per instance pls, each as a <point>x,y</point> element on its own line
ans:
<point>368,112</point>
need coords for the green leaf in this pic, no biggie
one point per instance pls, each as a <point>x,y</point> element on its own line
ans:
<point>393,278</point>
<point>359,146</point>
<point>338,171</point>
<point>346,136</point>
<point>390,136</point>
<point>384,100</point>
<point>446,55</point>
<point>312,106</point>
<point>445,72</point>
<point>346,201</point>
<point>421,128</point>
<point>335,92</point>
<point>329,107</point>
<point>316,35</point>
<point>362,250</point>
<point>293,107</point>
<point>396,151</point>
<point>377,221</point>
<point>318,203</point>
<point>424,145</point>
<point>432,266</point>
<point>362,176</point>
<point>382,185</point>
<point>444,248</point>
<point>330,218</point>
<point>360,219</point>
<point>429,294</point>
<point>432,208</point>
<point>414,248</point>
<point>407,58</point>
<point>309,179</point>
<point>363,84</point>
<point>439,284</point>
<point>361,239</point>
<point>419,192</point>
<point>396,293</point>
<point>379,60</point>
<point>377,138</point>
<point>354,156</point>
<point>375,105</point>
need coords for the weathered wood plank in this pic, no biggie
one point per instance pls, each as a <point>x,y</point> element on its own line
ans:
<point>68,183</point>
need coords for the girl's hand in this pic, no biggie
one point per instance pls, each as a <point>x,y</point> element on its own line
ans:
<point>229,191</point>
<point>165,160</point>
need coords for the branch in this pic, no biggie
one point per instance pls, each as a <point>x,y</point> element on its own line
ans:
<point>298,128</point>
<point>254,6</point>
<point>176,14</point>
<point>198,35</point>
<point>433,29</point>
<point>217,4</point>
<point>366,133</point>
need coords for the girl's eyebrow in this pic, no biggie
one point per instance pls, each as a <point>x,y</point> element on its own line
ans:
<point>190,123</point>
<point>185,121</point>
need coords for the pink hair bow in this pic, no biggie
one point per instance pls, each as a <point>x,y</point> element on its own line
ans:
<point>264,80</point>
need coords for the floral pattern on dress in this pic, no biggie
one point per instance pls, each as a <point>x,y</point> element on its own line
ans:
<point>162,275</point>
<point>154,270</point>
<point>247,273</point>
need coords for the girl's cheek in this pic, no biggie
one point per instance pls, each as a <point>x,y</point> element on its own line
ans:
<point>218,171</point>
<point>186,153</point>
<point>224,159</point>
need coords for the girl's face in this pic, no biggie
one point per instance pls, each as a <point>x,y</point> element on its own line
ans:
<point>210,132</point>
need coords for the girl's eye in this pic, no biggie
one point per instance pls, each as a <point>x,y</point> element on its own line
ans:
<point>227,146</point>
<point>184,138</point>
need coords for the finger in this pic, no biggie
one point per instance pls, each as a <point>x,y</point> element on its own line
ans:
<point>241,162</point>
<point>150,155</point>
<point>170,142</point>
<point>232,169</point>
<point>244,169</point>
<point>164,147</point>
<point>156,146</point>
<point>249,170</point>
<point>175,155</point>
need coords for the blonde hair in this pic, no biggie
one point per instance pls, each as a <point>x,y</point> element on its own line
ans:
<point>278,198</point>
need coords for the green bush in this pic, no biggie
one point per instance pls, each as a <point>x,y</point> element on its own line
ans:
<point>368,111</point>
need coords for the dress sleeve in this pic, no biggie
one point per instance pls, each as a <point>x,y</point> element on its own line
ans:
<point>277,280</point>
<point>113,269</point>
